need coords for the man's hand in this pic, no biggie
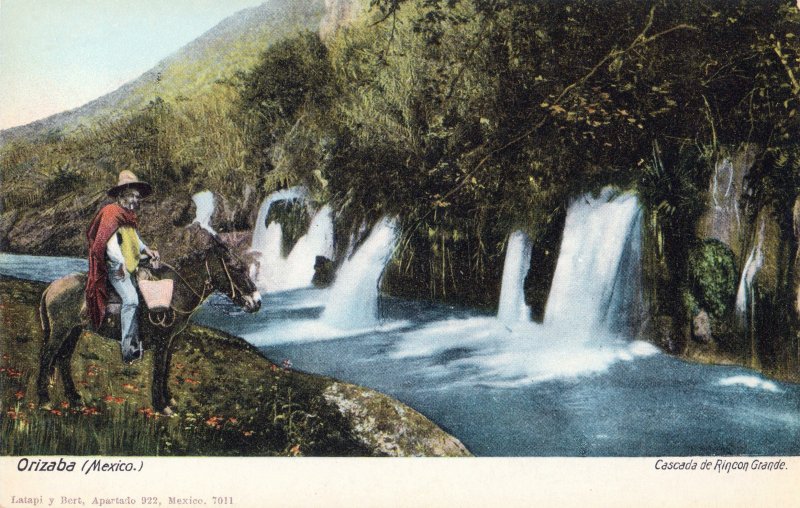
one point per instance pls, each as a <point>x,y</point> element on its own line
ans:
<point>154,257</point>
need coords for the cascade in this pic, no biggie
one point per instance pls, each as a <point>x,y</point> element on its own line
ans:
<point>318,241</point>
<point>273,271</point>
<point>512,308</point>
<point>752,265</point>
<point>353,300</point>
<point>597,279</point>
<point>204,204</point>
<point>260,231</point>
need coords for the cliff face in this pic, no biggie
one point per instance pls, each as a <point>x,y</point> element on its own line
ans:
<point>745,266</point>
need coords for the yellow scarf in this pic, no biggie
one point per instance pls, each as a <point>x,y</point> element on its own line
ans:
<point>129,247</point>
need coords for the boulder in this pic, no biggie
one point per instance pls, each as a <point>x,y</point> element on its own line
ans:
<point>701,328</point>
<point>324,272</point>
<point>389,428</point>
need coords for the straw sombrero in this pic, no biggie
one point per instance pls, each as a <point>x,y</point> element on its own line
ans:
<point>128,180</point>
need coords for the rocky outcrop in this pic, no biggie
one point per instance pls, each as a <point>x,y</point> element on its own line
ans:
<point>339,13</point>
<point>796,271</point>
<point>724,218</point>
<point>701,327</point>
<point>389,428</point>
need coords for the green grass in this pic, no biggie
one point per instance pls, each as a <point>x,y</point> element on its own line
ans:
<point>230,399</point>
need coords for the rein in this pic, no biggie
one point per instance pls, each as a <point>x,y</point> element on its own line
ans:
<point>162,320</point>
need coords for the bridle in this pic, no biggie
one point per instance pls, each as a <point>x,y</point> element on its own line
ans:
<point>207,289</point>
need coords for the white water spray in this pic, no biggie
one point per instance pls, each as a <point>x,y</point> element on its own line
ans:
<point>259,243</point>
<point>353,299</point>
<point>318,241</point>
<point>278,273</point>
<point>594,304</point>
<point>512,308</point>
<point>601,239</point>
<point>204,205</point>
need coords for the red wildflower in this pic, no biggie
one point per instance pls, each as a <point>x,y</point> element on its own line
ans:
<point>295,450</point>
<point>13,372</point>
<point>19,395</point>
<point>128,386</point>
<point>90,411</point>
<point>233,421</point>
<point>6,356</point>
<point>214,421</point>
<point>191,381</point>
<point>65,405</point>
<point>108,398</point>
<point>247,433</point>
<point>148,412</point>
<point>56,412</point>
<point>12,414</point>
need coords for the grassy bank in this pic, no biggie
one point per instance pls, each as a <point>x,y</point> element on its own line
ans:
<point>230,399</point>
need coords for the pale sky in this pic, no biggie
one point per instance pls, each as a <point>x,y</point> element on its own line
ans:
<point>60,54</point>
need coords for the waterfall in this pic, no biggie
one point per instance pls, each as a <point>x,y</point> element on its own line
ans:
<point>512,308</point>
<point>600,252</point>
<point>204,204</point>
<point>353,300</point>
<point>260,231</point>
<point>744,295</point>
<point>274,272</point>
<point>318,241</point>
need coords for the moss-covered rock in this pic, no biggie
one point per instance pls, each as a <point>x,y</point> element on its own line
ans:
<point>711,279</point>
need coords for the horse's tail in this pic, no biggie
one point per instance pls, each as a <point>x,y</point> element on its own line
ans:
<point>43,316</point>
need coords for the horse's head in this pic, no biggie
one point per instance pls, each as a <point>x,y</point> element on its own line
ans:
<point>229,274</point>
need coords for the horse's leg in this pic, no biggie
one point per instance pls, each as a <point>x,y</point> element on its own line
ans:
<point>53,342</point>
<point>160,359</point>
<point>64,365</point>
<point>167,365</point>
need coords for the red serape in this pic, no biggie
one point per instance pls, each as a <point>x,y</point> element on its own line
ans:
<point>110,218</point>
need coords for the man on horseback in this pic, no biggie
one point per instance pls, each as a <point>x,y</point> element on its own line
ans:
<point>114,252</point>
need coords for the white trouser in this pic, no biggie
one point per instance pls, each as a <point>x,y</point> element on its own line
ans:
<point>127,316</point>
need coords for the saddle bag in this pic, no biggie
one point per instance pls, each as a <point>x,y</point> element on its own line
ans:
<point>157,294</point>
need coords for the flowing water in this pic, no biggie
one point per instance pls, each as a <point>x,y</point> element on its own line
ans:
<point>204,206</point>
<point>512,308</point>
<point>576,385</point>
<point>274,272</point>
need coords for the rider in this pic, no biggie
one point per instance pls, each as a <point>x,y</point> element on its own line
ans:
<point>114,251</point>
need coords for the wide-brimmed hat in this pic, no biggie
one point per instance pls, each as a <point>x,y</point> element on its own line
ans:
<point>128,180</point>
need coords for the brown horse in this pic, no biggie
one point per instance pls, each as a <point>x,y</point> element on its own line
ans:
<point>208,266</point>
